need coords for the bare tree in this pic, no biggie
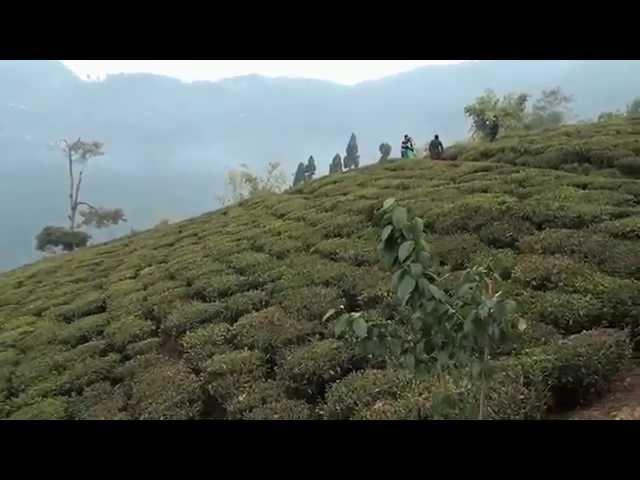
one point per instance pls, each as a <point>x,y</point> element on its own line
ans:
<point>78,153</point>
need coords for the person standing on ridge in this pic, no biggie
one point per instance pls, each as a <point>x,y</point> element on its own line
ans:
<point>494,128</point>
<point>436,148</point>
<point>407,149</point>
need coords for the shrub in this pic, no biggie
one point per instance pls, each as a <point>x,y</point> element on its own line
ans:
<point>456,250</point>
<point>255,395</point>
<point>100,401</point>
<point>575,369</point>
<point>38,366</point>
<point>361,390</point>
<point>138,366</point>
<point>453,152</point>
<point>545,214</point>
<point>186,316</point>
<point>343,226</point>
<point>505,234</point>
<point>545,272</point>
<point>143,347</point>
<point>568,312</point>
<point>227,374</point>
<point>127,330</point>
<point>502,261</point>
<point>87,304</point>
<point>132,304</point>
<point>84,330</point>
<point>166,391</point>
<point>59,237</point>
<point>357,253</point>
<point>243,303</point>
<point>269,330</point>
<point>472,215</point>
<point>535,335</point>
<point>626,228</point>
<point>87,371</point>
<point>614,257</point>
<point>249,263</point>
<point>577,168</point>
<point>283,410</point>
<point>526,386</point>
<point>629,166</point>
<point>308,369</point>
<point>205,342</point>
<point>217,287</point>
<point>53,408</point>
<point>309,304</point>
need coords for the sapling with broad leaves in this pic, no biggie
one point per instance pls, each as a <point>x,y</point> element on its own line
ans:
<point>457,326</point>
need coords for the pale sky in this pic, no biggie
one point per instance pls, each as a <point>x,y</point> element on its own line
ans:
<point>347,72</point>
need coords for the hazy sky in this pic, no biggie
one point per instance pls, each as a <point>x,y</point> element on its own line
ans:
<point>347,72</point>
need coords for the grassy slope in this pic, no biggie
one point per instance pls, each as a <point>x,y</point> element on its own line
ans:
<point>220,315</point>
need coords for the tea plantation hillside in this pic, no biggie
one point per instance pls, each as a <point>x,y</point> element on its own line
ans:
<point>221,316</point>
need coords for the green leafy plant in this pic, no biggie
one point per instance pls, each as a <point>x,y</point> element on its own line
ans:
<point>453,319</point>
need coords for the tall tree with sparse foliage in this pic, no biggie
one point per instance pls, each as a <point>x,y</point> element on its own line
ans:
<point>242,184</point>
<point>550,109</point>
<point>509,111</point>
<point>336,164</point>
<point>310,169</point>
<point>634,107</point>
<point>352,159</point>
<point>78,154</point>
<point>385,151</point>
<point>299,176</point>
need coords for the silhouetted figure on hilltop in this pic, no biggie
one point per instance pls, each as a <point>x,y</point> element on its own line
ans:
<point>436,148</point>
<point>493,128</point>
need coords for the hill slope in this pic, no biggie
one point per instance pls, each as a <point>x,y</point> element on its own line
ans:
<point>161,134</point>
<point>220,316</point>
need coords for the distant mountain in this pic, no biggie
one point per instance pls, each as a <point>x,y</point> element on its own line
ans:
<point>169,142</point>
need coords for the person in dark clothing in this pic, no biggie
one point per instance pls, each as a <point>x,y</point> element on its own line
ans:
<point>494,128</point>
<point>436,148</point>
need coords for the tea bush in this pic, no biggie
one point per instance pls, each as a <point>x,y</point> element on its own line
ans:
<point>307,370</point>
<point>223,315</point>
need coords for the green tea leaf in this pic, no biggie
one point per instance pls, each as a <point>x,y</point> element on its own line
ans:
<point>395,279</point>
<point>437,293</point>
<point>399,217</point>
<point>388,203</point>
<point>416,270</point>
<point>360,327</point>
<point>405,250</point>
<point>341,325</point>
<point>386,232</point>
<point>407,284</point>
